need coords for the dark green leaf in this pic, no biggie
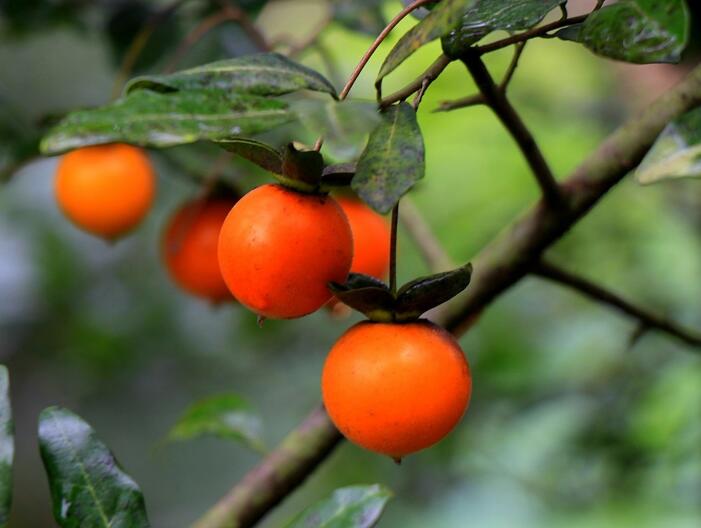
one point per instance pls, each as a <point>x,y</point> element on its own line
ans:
<point>364,16</point>
<point>159,120</point>
<point>492,15</point>
<point>265,156</point>
<point>420,295</point>
<point>302,166</point>
<point>7,447</point>
<point>375,302</point>
<point>226,416</point>
<point>676,153</point>
<point>393,160</point>
<point>88,486</point>
<point>444,17</point>
<point>260,74</point>
<point>638,31</point>
<point>351,507</point>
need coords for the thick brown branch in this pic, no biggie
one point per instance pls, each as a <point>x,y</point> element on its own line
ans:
<point>508,258</point>
<point>496,98</point>
<point>647,319</point>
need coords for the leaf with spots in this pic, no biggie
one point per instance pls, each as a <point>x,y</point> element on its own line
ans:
<point>88,486</point>
<point>260,74</point>
<point>638,31</point>
<point>393,160</point>
<point>351,507</point>
<point>152,119</point>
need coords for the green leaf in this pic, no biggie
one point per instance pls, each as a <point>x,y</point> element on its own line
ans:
<point>7,447</point>
<point>638,31</point>
<point>88,486</point>
<point>351,507</point>
<point>492,15</point>
<point>420,295</point>
<point>676,153</point>
<point>226,416</point>
<point>302,168</point>
<point>443,18</point>
<point>260,74</point>
<point>160,120</point>
<point>265,156</point>
<point>393,160</point>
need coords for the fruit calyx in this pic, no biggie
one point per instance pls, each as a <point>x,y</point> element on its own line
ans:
<point>375,300</point>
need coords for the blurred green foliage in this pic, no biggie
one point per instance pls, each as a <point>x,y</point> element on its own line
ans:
<point>569,424</point>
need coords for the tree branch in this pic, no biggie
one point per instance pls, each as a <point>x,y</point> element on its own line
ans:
<point>496,98</point>
<point>511,256</point>
<point>498,267</point>
<point>430,75</point>
<point>647,319</point>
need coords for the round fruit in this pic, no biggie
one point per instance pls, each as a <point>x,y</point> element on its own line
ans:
<point>279,249</point>
<point>190,247</point>
<point>106,189</point>
<point>396,388</point>
<point>371,238</point>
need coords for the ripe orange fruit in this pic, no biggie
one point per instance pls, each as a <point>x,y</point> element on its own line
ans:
<point>371,238</point>
<point>190,247</point>
<point>105,189</point>
<point>279,249</point>
<point>396,388</point>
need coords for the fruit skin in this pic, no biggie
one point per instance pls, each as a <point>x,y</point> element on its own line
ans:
<point>106,189</point>
<point>371,238</point>
<point>190,246</point>
<point>396,388</point>
<point>279,249</point>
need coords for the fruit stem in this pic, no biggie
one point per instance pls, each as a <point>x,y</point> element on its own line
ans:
<point>393,251</point>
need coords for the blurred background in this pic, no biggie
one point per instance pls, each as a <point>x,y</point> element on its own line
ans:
<point>571,423</point>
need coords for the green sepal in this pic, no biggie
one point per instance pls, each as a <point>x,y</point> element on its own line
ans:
<point>301,169</point>
<point>421,295</point>
<point>373,298</point>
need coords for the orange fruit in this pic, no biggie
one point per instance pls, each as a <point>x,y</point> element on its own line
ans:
<point>371,238</point>
<point>107,189</point>
<point>396,388</point>
<point>190,247</point>
<point>279,249</point>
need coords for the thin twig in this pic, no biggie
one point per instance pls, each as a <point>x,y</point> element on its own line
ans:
<point>431,74</point>
<point>497,100</point>
<point>647,319</point>
<point>373,47</point>
<point>478,99</point>
<point>379,40</point>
